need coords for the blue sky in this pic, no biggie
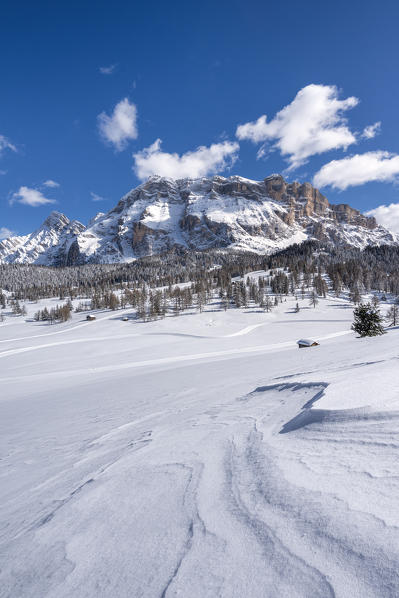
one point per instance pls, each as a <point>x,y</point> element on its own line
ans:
<point>88,89</point>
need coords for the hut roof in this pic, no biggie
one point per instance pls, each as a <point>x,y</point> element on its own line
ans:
<point>307,342</point>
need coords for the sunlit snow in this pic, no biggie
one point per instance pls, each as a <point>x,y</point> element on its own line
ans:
<point>201,455</point>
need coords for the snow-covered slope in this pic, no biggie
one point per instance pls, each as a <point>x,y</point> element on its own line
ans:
<point>260,216</point>
<point>199,456</point>
<point>48,245</point>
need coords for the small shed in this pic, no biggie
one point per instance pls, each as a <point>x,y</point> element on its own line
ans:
<point>90,318</point>
<point>306,342</point>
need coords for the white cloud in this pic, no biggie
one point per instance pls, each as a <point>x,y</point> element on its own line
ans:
<point>6,144</point>
<point>311,124</point>
<point>107,70</point>
<point>5,233</point>
<point>387,216</point>
<point>96,197</point>
<point>30,197</point>
<point>200,162</point>
<point>50,183</point>
<point>358,170</point>
<point>121,126</point>
<point>372,130</point>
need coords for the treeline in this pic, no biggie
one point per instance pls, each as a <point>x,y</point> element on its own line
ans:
<point>60,313</point>
<point>157,283</point>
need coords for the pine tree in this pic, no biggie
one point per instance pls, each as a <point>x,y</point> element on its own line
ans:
<point>141,306</point>
<point>355,295</point>
<point>113,301</point>
<point>337,285</point>
<point>393,315</point>
<point>225,302</point>
<point>375,301</point>
<point>313,299</point>
<point>16,308</point>
<point>367,320</point>
<point>268,304</point>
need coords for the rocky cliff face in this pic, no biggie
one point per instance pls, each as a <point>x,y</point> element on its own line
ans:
<point>217,212</point>
<point>306,201</point>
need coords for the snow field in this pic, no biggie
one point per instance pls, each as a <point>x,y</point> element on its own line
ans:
<point>201,455</point>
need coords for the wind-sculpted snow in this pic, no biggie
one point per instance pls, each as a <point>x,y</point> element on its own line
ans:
<point>251,472</point>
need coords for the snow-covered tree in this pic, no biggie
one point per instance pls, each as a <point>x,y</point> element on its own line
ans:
<point>393,315</point>
<point>313,298</point>
<point>367,320</point>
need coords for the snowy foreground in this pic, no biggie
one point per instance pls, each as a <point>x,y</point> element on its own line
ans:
<point>199,456</point>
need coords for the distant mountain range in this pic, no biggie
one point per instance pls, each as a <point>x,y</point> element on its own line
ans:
<point>196,214</point>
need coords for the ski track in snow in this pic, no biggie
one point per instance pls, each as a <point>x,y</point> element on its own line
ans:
<point>69,329</point>
<point>180,359</point>
<point>224,479</point>
<point>245,330</point>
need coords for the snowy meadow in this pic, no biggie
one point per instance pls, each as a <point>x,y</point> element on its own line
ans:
<point>199,455</point>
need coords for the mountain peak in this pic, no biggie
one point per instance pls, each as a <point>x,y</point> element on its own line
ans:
<point>55,221</point>
<point>226,213</point>
<point>95,218</point>
<point>274,175</point>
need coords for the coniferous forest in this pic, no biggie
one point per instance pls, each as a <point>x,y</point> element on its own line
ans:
<point>176,281</point>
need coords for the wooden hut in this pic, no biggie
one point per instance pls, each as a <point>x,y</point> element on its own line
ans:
<point>304,343</point>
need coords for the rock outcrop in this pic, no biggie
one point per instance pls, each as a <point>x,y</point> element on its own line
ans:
<point>198,214</point>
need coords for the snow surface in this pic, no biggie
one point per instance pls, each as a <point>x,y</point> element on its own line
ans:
<point>199,456</point>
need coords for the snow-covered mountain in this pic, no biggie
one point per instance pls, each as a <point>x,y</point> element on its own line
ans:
<point>50,244</point>
<point>217,212</point>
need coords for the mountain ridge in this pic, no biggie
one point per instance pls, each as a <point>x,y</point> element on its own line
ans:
<point>197,214</point>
